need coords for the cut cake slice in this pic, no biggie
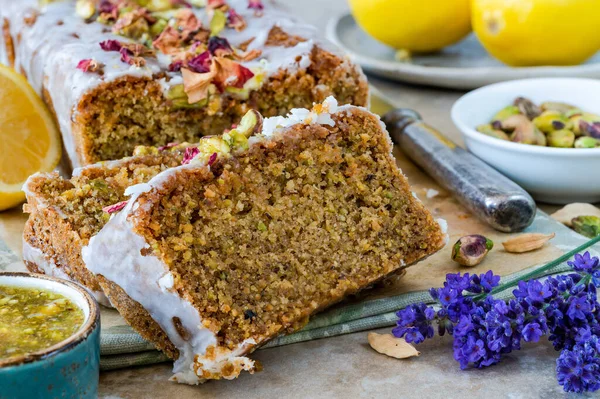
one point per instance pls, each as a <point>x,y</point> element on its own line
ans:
<point>122,73</point>
<point>211,259</point>
<point>64,214</point>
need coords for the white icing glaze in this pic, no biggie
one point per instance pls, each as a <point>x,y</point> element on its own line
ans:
<point>49,51</point>
<point>49,268</point>
<point>116,254</point>
<point>431,193</point>
<point>444,228</point>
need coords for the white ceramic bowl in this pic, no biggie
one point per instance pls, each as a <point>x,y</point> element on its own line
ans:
<point>553,175</point>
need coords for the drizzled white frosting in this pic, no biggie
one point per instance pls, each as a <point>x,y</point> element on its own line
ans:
<point>49,51</point>
<point>116,253</point>
<point>49,268</point>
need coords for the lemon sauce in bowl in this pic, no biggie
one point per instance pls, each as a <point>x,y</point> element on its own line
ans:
<point>33,319</point>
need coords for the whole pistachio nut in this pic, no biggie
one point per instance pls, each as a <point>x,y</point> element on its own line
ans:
<point>549,121</point>
<point>489,130</point>
<point>561,138</point>
<point>506,112</point>
<point>471,250</point>
<point>540,138</point>
<point>588,226</point>
<point>587,142</point>
<point>562,108</point>
<point>524,131</point>
<point>590,129</point>
<point>527,107</point>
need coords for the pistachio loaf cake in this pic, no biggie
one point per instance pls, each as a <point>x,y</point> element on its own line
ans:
<point>256,231</point>
<point>122,73</point>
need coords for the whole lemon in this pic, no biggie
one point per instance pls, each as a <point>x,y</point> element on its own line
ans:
<point>538,32</point>
<point>415,25</point>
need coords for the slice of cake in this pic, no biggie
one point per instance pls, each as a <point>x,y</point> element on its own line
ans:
<point>122,73</point>
<point>246,241</point>
<point>64,214</point>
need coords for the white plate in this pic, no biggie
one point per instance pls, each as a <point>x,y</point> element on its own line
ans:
<point>465,65</point>
<point>554,175</point>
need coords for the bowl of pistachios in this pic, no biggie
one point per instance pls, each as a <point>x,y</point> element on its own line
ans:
<point>544,134</point>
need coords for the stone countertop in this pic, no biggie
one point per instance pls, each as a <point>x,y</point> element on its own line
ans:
<point>346,366</point>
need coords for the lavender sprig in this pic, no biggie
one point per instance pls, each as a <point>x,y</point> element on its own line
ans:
<point>564,308</point>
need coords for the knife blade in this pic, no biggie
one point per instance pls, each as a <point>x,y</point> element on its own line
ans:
<point>491,196</point>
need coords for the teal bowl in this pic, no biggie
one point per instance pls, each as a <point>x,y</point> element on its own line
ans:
<point>69,369</point>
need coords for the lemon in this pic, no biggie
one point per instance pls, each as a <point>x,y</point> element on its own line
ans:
<point>29,140</point>
<point>415,25</point>
<point>538,32</point>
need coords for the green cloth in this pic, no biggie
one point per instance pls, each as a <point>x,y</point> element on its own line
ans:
<point>122,347</point>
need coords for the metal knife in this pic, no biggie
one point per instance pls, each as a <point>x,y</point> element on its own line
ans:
<point>488,194</point>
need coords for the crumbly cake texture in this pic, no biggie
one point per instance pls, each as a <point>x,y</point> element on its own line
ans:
<point>65,214</point>
<point>117,74</point>
<point>211,259</point>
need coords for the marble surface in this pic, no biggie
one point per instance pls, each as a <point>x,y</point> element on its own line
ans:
<point>345,366</point>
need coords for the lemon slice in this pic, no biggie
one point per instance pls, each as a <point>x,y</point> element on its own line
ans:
<point>29,139</point>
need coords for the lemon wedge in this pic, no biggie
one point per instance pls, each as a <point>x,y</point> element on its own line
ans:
<point>29,139</point>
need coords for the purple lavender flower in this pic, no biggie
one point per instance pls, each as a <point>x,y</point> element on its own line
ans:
<point>414,323</point>
<point>578,370</point>
<point>458,282</point>
<point>489,281</point>
<point>584,263</point>
<point>565,308</point>
<point>532,290</point>
<point>578,308</point>
<point>532,332</point>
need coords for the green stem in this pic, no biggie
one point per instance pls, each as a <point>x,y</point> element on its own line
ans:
<point>540,271</point>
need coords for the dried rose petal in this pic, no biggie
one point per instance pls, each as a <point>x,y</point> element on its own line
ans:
<point>89,65</point>
<point>115,207</point>
<point>256,5</point>
<point>196,85</point>
<point>235,20</point>
<point>215,3</point>
<point>137,49</point>
<point>166,147</point>
<point>212,159</point>
<point>189,154</point>
<point>175,66</point>
<point>108,11</point>
<point>230,73</point>
<point>111,45</point>
<point>126,56</point>
<point>219,46</point>
<point>200,63</point>
<point>186,22</point>
<point>169,41</point>
<point>182,3</point>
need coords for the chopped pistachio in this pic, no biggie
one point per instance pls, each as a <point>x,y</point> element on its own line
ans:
<point>85,8</point>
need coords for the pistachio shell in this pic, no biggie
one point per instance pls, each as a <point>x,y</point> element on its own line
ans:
<point>389,345</point>
<point>471,250</point>
<point>527,242</point>
<point>563,108</point>
<point>588,226</point>
<point>566,214</point>
<point>527,107</point>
